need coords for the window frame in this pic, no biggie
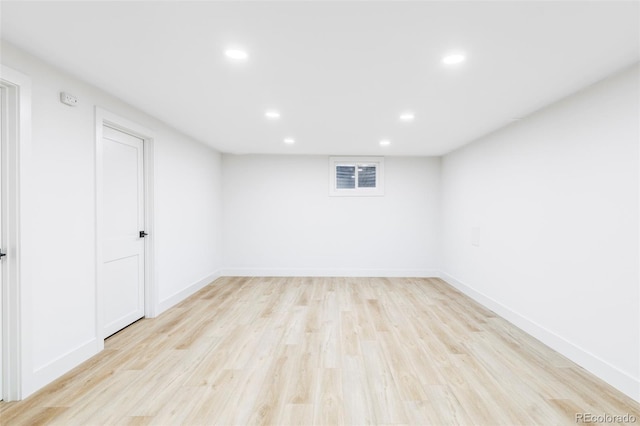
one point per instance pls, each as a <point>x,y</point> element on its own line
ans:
<point>356,162</point>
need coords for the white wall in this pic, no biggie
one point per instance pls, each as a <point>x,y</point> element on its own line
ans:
<point>280,220</point>
<point>188,216</point>
<point>556,200</point>
<point>59,213</point>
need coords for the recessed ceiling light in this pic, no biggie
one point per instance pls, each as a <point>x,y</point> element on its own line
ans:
<point>236,54</point>
<point>289,141</point>
<point>407,116</point>
<point>272,114</point>
<point>385,142</point>
<point>453,59</point>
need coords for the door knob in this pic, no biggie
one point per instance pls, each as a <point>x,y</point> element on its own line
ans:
<point>143,234</point>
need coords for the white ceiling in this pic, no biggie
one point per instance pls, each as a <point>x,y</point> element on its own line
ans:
<point>339,72</point>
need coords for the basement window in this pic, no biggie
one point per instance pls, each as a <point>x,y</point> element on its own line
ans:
<point>356,176</point>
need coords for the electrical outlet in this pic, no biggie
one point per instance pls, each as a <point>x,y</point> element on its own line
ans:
<point>68,99</point>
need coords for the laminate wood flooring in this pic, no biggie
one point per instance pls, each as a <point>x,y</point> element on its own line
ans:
<point>324,351</point>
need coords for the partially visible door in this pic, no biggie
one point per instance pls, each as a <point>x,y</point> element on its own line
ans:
<point>3,144</point>
<point>123,222</point>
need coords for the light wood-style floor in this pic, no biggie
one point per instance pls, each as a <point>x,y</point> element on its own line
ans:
<point>323,351</point>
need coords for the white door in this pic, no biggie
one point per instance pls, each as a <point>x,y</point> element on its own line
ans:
<point>3,248</point>
<point>123,222</point>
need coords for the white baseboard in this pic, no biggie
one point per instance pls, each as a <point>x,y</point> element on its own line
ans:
<point>47,373</point>
<point>179,296</point>
<point>617,378</point>
<point>329,272</point>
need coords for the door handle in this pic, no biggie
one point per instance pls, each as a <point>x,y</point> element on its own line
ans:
<point>143,234</point>
<point>2,254</point>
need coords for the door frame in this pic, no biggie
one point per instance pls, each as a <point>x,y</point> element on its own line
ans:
<point>104,117</point>
<point>15,309</point>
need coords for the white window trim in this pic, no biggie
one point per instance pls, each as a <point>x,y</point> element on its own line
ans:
<point>378,191</point>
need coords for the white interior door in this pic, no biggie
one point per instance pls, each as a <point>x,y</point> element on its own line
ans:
<point>123,221</point>
<point>3,144</point>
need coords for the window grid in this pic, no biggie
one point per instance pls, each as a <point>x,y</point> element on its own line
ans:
<point>356,176</point>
